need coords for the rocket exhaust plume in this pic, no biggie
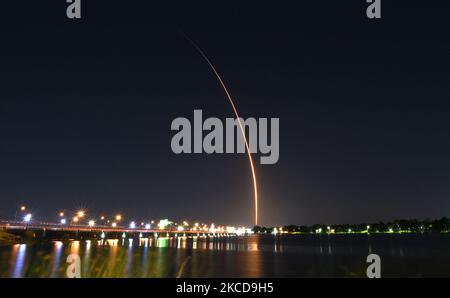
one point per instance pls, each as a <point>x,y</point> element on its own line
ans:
<point>230,99</point>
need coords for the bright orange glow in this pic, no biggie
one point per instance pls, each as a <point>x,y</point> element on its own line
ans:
<point>118,217</point>
<point>75,219</point>
<point>230,99</point>
<point>80,213</point>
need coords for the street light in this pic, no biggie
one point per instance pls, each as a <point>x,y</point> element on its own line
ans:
<point>118,217</point>
<point>91,223</point>
<point>22,208</point>
<point>27,218</point>
<point>132,225</point>
<point>80,214</point>
<point>61,214</point>
<point>63,221</point>
<point>75,219</point>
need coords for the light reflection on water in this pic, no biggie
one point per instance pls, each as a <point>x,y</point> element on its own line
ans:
<point>256,256</point>
<point>19,250</point>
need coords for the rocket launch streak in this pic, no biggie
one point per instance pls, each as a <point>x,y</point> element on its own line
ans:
<point>230,99</point>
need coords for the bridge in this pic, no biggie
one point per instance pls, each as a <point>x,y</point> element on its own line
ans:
<point>38,230</point>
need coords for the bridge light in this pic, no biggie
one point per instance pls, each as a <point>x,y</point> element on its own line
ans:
<point>102,218</point>
<point>114,225</point>
<point>80,213</point>
<point>75,219</point>
<point>27,218</point>
<point>180,228</point>
<point>118,217</point>
<point>91,223</point>
<point>61,214</point>
<point>132,225</point>
<point>23,208</point>
<point>63,221</point>
<point>147,226</point>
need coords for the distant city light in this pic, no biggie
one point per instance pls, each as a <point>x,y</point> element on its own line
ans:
<point>180,228</point>
<point>241,231</point>
<point>27,218</point>
<point>80,214</point>
<point>63,221</point>
<point>114,225</point>
<point>75,219</point>
<point>163,223</point>
<point>23,208</point>
<point>230,230</point>
<point>102,218</point>
<point>147,226</point>
<point>132,225</point>
<point>118,217</point>
<point>91,223</point>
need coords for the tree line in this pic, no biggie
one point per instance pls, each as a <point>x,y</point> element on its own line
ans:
<point>397,226</point>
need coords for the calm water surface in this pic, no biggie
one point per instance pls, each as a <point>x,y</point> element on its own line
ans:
<point>254,256</point>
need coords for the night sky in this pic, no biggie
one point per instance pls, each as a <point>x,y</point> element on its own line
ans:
<point>86,107</point>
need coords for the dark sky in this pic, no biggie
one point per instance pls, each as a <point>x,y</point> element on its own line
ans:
<point>86,108</point>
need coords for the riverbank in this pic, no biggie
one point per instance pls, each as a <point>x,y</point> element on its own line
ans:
<point>8,239</point>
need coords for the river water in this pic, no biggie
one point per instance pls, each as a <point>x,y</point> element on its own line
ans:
<point>251,256</point>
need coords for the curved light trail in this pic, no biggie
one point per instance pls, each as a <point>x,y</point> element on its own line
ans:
<point>230,99</point>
